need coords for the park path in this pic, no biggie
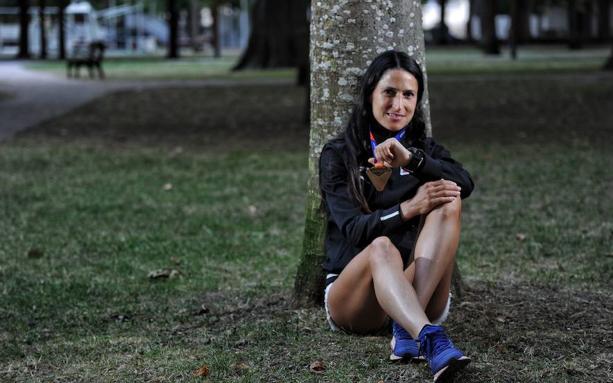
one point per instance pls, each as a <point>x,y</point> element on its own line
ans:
<point>28,98</point>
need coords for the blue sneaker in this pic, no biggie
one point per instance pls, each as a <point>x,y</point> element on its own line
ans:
<point>404,347</point>
<point>442,356</point>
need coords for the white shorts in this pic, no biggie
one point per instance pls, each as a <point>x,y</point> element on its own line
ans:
<point>333,325</point>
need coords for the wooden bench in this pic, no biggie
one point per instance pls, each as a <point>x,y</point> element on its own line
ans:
<point>90,55</point>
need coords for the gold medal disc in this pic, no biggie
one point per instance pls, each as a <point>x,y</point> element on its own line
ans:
<point>379,175</point>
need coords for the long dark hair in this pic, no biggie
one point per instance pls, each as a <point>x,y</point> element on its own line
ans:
<point>356,132</point>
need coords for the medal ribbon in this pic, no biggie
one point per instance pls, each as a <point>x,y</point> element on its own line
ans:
<point>373,143</point>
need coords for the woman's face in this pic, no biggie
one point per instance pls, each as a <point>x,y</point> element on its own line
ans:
<point>394,99</point>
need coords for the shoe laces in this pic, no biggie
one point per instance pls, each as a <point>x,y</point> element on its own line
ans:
<point>436,342</point>
<point>400,332</point>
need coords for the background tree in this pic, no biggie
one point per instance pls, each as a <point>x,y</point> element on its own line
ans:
<point>604,19</point>
<point>487,15</point>
<point>172,16</point>
<point>42,4</point>
<point>514,30</point>
<point>609,64</point>
<point>279,35</point>
<point>61,17</point>
<point>345,36</point>
<point>469,29</point>
<point>24,22</point>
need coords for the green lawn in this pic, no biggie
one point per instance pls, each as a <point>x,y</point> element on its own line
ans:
<point>160,68</point>
<point>94,201</point>
<point>448,60</point>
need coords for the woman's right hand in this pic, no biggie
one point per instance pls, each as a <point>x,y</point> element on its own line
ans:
<point>429,196</point>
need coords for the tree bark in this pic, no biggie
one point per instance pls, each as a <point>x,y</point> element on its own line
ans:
<point>524,8</point>
<point>62,30</point>
<point>194,25</point>
<point>574,35</point>
<point>345,36</point>
<point>489,39</point>
<point>43,30</point>
<point>173,29</point>
<point>443,30</point>
<point>514,32</point>
<point>279,34</point>
<point>469,29</point>
<point>609,64</point>
<point>604,20</point>
<point>24,23</point>
<point>216,40</point>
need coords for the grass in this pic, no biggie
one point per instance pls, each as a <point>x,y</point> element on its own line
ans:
<point>159,68</point>
<point>448,60</point>
<point>94,201</point>
<point>530,59</point>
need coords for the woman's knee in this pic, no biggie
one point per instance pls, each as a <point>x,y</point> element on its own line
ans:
<point>450,210</point>
<point>383,250</point>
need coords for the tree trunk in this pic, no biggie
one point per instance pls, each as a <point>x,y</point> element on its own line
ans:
<point>443,30</point>
<point>489,39</point>
<point>279,34</point>
<point>604,20</point>
<point>173,29</point>
<point>194,25</point>
<point>514,32</point>
<point>43,30</point>
<point>469,29</point>
<point>216,39</point>
<point>574,35</point>
<point>524,9</point>
<point>345,36</point>
<point>24,23</point>
<point>62,30</point>
<point>609,64</point>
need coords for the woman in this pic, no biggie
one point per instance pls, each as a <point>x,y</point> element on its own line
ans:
<point>393,202</point>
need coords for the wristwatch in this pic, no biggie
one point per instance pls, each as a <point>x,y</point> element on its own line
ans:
<point>416,161</point>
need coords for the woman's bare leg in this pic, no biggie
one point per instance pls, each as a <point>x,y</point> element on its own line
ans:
<point>435,251</point>
<point>373,286</point>
<point>438,302</point>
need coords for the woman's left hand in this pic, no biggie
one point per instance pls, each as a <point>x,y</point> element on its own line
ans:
<point>392,153</point>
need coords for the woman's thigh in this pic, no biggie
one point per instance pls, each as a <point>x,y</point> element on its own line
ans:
<point>352,301</point>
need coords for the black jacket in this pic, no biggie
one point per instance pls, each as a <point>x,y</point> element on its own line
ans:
<point>350,229</point>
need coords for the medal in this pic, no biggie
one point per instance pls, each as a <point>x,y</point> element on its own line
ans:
<point>380,174</point>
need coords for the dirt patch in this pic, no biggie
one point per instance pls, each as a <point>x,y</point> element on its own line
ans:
<point>507,109</point>
<point>513,332</point>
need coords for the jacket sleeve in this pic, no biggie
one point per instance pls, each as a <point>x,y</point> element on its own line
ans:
<point>438,164</point>
<point>358,227</point>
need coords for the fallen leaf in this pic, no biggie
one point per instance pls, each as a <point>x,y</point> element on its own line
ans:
<point>163,273</point>
<point>167,186</point>
<point>241,366</point>
<point>35,253</point>
<point>201,371</point>
<point>520,236</point>
<point>120,318</point>
<point>203,310</point>
<point>252,210</point>
<point>317,367</point>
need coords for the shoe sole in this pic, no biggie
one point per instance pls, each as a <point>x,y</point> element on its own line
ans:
<point>395,358</point>
<point>446,373</point>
